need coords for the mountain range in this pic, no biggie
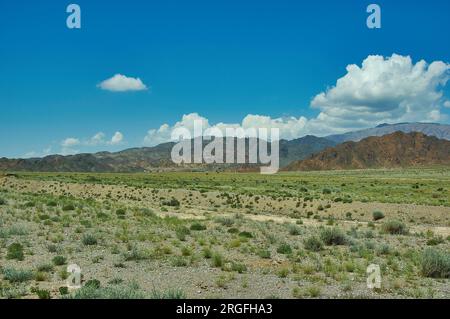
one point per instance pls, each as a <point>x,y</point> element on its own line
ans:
<point>153,159</point>
<point>308,152</point>
<point>441,131</point>
<point>388,151</point>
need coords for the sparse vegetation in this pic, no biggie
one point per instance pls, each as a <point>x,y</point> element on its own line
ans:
<point>305,235</point>
<point>435,264</point>
<point>395,227</point>
<point>59,260</point>
<point>313,243</point>
<point>89,240</point>
<point>17,275</point>
<point>333,236</point>
<point>15,251</point>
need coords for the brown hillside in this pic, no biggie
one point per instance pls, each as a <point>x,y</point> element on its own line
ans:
<point>393,150</point>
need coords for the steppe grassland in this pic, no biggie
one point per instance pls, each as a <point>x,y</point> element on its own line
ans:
<point>203,235</point>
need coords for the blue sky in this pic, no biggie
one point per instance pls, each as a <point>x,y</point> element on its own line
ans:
<point>221,59</point>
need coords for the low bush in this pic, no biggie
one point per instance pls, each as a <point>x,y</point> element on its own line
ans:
<point>284,249</point>
<point>89,240</point>
<point>294,230</point>
<point>435,263</point>
<point>59,260</point>
<point>15,251</point>
<point>197,226</point>
<point>17,275</point>
<point>313,243</point>
<point>68,207</point>
<point>217,260</point>
<point>377,215</point>
<point>394,227</point>
<point>264,253</point>
<point>333,236</point>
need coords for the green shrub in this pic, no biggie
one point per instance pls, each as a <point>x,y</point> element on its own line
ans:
<point>435,241</point>
<point>59,260</point>
<point>347,200</point>
<point>44,216</point>
<point>172,202</point>
<point>68,207</point>
<point>2,201</point>
<point>52,203</point>
<point>135,254</point>
<point>239,267</point>
<point>264,253</point>
<point>17,275</point>
<point>284,248</point>
<point>15,251</point>
<point>225,221</point>
<point>377,215</point>
<point>186,251</point>
<point>179,261</point>
<point>63,274</point>
<point>217,260</point>
<point>103,216</point>
<point>207,253</point>
<point>40,276</point>
<point>245,234</point>
<point>121,213</point>
<point>394,227</point>
<point>313,291</point>
<point>30,204</point>
<point>114,292</point>
<point>384,249</point>
<point>435,264</point>
<point>43,293</point>
<point>45,268</point>
<point>89,240</point>
<point>197,226</point>
<point>182,232</point>
<point>313,243</point>
<point>147,212</point>
<point>333,236</point>
<point>294,230</point>
<point>63,290</point>
<point>283,272</point>
<point>93,283</point>
<point>168,294</point>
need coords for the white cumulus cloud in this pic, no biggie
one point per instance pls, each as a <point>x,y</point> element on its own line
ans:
<point>116,139</point>
<point>122,83</point>
<point>290,127</point>
<point>391,89</point>
<point>382,90</point>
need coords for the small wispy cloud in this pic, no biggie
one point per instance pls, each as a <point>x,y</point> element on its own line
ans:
<point>69,144</point>
<point>116,139</point>
<point>122,83</point>
<point>46,151</point>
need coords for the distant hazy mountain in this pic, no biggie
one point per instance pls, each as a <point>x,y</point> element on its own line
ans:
<point>152,158</point>
<point>393,150</point>
<point>441,131</point>
<point>158,157</point>
<point>301,148</point>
